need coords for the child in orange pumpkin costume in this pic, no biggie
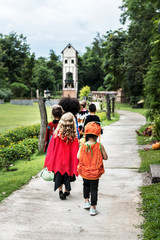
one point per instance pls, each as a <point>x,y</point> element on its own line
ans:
<point>91,155</point>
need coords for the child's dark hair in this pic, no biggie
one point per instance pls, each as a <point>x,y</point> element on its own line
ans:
<point>92,107</point>
<point>92,136</point>
<point>70,105</point>
<point>57,111</point>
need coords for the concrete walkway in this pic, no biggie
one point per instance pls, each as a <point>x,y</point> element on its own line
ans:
<point>35,212</point>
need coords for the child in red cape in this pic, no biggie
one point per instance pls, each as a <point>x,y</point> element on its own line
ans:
<point>57,112</point>
<point>61,155</point>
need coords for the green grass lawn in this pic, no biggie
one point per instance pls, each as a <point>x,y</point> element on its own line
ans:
<point>150,208</point>
<point>127,107</point>
<point>12,116</point>
<point>105,121</point>
<point>147,158</point>
<point>20,174</point>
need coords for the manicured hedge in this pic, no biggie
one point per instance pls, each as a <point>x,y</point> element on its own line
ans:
<point>21,150</point>
<point>20,133</point>
<point>17,144</point>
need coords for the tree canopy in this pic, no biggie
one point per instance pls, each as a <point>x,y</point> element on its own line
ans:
<point>117,59</point>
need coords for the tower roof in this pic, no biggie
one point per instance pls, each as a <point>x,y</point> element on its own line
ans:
<point>68,46</point>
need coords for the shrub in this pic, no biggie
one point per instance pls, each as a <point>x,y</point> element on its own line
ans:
<point>21,150</point>
<point>4,141</point>
<point>31,143</point>
<point>156,125</point>
<point>84,92</point>
<point>102,116</point>
<point>20,133</point>
<point>19,89</point>
<point>5,94</point>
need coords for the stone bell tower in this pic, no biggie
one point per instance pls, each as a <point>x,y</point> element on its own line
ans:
<point>70,71</point>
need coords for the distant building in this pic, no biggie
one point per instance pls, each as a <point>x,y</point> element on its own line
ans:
<point>70,71</point>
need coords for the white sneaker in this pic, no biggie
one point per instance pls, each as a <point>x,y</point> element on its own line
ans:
<point>93,211</point>
<point>87,205</point>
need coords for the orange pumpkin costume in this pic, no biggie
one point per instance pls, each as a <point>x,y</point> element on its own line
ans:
<point>90,158</point>
<point>90,161</point>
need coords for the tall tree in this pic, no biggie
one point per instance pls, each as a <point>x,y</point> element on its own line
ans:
<point>113,59</point>
<point>15,51</point>
<point>3,71</point>
<point>152,78</point>
<point>92,73</point>
<point>137,50</point>
<point>54,63</point>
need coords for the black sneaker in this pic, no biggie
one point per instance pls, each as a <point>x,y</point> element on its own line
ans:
<point>61,195</point>
<point>66,194</point>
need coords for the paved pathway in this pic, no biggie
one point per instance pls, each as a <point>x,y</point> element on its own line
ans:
<point>36,212</point>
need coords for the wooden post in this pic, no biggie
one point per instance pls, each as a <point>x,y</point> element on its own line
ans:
<point>108,107</point>
<point>44,122</point>
<point>113,103</point>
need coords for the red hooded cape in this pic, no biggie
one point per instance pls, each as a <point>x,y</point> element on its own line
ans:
<point>62,156</point>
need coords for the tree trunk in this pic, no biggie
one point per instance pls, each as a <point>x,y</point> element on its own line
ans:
<point>44,122</point>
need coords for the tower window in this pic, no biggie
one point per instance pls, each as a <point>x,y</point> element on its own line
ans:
<point>66,61</point>
<point>72,61</point>
<point>69,46</point>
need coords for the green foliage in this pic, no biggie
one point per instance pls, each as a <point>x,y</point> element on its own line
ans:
<point>19,89</point>
<point>45,78</point>
<point>113,48</point>
<point>104,120</point>
<point>4,141</point>
<point>90,72</point>
<point>101,88</point>
<point>20,133</point>
<point>21,150</point>
<point>143,140</point>
<point>152,83</point>
<point>5,94</point>
<point>156,125</point>
<point>84,92</point>
<point>109,82</point>
<point>150,195</point>
<point>19,143</point>
<point>15,51</point>
<point>150,210</point>
<point>55,65</point>
<point>27,76</point>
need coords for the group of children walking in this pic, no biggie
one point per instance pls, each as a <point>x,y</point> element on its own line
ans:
<point>68,158</point>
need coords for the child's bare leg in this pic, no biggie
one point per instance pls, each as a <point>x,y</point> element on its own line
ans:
<point>61,194</point>
<point>86,200</point>
<point>60,188</point>
<point>94,207</point>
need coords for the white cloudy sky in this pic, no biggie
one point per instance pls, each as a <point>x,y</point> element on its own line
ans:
<point>52,24</point>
